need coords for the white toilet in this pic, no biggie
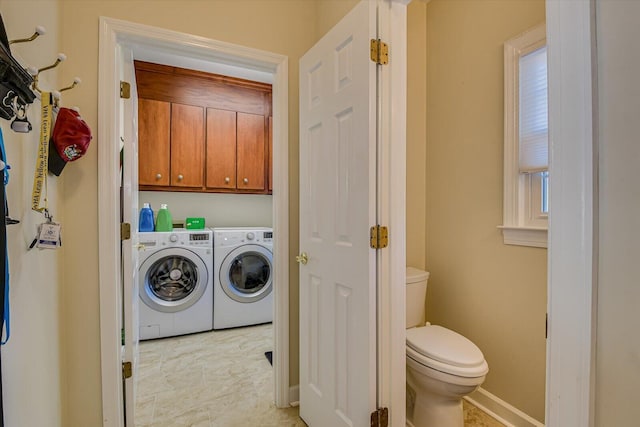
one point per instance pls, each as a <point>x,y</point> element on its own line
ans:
<point>442,365</point>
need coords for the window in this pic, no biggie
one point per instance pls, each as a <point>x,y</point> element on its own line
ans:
<point>526,175</point>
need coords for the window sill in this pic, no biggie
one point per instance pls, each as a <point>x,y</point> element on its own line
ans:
<point>524,236</point>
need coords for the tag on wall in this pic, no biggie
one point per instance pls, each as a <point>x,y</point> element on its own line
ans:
<point>49,235</point>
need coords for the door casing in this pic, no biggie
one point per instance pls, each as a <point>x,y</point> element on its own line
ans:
<point>113,34</point>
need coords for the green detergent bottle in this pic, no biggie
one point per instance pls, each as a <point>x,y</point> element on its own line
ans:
<point>164,221</point>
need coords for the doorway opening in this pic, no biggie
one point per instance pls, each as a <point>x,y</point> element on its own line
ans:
<point>208,55</point>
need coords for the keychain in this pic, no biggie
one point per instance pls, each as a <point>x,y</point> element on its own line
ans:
<point>48,235</point>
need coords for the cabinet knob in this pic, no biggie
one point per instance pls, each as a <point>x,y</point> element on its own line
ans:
<point>246,180</point>
<point>158,176</point>
<point>227,180</point>
<point>180,177</point>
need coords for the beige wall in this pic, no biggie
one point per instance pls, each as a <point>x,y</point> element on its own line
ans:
<point>416,132</point>
<point>329,12</point>
<point>218,210</point>
<point>618,347</point>
<point>33,357</point>
<point>492,293</point>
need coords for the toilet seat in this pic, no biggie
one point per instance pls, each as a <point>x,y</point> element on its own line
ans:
<point>446,351</point>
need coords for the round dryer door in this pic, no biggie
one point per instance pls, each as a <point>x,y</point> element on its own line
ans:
<point>246,273</point>
<point>172,280</point>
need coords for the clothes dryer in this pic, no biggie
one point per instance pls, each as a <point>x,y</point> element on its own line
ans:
<point>243,277</point>
<point>175,283</point>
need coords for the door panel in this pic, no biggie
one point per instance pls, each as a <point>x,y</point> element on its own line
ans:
<point>154,149</point>
<point>221,149</point>
<point>187,145</point>
<point>337,207</point>
<point>251,152</point>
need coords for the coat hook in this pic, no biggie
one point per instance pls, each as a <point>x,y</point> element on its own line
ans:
<point>40,31</point>
<point>76,82</point>
<point>61,57</point>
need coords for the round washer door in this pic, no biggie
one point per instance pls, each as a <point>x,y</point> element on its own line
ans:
<point>246,273</point>
<point>172,280</point>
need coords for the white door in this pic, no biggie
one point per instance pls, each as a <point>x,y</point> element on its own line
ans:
<point>337,208</point>
<point>129,204</point>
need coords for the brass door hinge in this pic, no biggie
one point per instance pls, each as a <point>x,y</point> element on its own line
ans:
<point>380,418</point>
<point>379,237</point>
<point>125,90</point>
<point>379,52</point>
<point>125,231</point>
<point>127,370</point>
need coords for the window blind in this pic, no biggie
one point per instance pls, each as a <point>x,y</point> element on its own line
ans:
<point>533,112</point>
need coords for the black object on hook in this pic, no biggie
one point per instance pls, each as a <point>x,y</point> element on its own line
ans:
<point>13,78</point>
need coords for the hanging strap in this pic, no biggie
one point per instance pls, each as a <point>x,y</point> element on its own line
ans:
<point>4,267</point>
<point>40,174</point>
<point>6,323</point>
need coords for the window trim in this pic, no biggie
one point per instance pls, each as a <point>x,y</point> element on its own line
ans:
<point>515,228</point>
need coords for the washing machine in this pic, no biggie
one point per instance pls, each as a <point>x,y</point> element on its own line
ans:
<point>175,283</point>
<point>243,277</point>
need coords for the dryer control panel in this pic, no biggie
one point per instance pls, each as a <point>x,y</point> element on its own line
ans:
<point>235,237</point>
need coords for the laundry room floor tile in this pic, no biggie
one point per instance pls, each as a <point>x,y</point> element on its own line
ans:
<point>211,379</point>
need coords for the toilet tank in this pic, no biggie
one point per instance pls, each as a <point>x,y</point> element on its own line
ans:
<point>416,296</point>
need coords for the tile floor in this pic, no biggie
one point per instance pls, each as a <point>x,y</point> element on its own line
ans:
<point>220,379</point>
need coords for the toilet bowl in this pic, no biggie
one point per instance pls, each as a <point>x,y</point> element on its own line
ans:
<point>442,365</point>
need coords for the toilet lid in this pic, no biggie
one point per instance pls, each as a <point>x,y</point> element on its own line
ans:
<point>445,346</point>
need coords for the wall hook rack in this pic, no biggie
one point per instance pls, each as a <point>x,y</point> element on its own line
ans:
<point>38,32</point>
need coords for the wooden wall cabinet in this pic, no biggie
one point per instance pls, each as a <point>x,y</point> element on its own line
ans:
<point>202,132</point>
<point>153,142</point>
<point>235,151</point>
<point>187,146</point>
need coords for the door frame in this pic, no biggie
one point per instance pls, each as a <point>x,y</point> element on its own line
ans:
<point>113,34</point>
<point>573,224</point>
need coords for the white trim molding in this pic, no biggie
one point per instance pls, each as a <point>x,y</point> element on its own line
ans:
<point>524,236</point>
<point>573,222</point>
<point>392,21</point>
<point>507,414</point>
<point>114,34</point>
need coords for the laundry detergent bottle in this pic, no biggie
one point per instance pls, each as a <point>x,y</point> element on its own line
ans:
<point>146,218</point>
<point>164,221</point>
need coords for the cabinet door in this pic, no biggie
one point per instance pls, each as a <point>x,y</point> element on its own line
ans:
<point>187,145</point>
<point>154,118</point>
<point>251,152</point>
<point>221,149</point>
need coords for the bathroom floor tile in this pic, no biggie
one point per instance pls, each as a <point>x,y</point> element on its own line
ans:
<point>474,417</point>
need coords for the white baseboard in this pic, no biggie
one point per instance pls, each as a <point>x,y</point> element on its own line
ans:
<point>294,395</point>
<point>508,415</point>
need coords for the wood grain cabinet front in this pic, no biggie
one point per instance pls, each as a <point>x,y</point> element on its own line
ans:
<point>153,142</point>
<point>251,152</point>
<point>221,149</point>
<point>202,132</point>
<point>187,146</point>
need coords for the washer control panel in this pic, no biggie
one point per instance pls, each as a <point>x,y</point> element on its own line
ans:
<point>199,238</point>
